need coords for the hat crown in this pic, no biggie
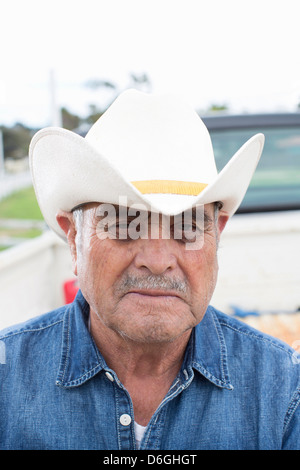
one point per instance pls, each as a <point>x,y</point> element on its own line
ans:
<point>150,137</point>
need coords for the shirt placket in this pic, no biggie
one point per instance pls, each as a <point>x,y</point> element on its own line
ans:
<point>124,415</point>
<point>153,435</point>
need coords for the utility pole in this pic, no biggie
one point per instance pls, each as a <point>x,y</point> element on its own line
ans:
<point>55,114</point>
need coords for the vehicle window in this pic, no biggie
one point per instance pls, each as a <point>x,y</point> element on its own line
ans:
<point>276,182</point>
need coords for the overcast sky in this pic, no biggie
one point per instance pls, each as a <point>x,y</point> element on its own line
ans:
<point>244,53</point>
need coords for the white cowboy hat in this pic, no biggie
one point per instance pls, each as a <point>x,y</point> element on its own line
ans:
<point>154,150</point>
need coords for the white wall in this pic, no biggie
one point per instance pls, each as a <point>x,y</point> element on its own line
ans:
<point>31,278</point>
<point>259,258</point>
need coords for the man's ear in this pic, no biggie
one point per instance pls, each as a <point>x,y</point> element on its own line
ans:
<point>222,221</point>
<point>66,222</point>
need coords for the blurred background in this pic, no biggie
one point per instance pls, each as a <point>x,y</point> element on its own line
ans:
<point>237,63</point>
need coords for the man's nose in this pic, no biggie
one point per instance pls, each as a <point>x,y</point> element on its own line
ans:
<point>156,255</point>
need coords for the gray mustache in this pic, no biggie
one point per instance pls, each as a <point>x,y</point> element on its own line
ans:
<point>156,282</point>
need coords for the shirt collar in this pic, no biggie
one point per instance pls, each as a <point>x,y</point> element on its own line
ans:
<point>81,359</point>
<point>210,352</point>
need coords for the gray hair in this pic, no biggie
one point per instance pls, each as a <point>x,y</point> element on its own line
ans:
<point>217,207</point>
<point>78,216</point>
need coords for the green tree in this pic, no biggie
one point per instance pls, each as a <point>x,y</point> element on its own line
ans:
<point>94,114</point>
<point>218,108</point>
<point>16,140</point>
<point>69,121</point>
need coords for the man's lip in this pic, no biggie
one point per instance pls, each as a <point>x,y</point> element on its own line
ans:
<point>155,293</point>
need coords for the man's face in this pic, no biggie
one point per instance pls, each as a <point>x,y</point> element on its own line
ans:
<point>148,290</point>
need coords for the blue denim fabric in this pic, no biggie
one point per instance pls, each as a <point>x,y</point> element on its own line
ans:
<point>237,389</point>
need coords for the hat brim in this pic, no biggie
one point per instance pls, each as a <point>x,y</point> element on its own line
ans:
<point>67,171</point>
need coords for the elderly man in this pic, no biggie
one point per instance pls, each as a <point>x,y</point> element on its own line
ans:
<point>140,359</point>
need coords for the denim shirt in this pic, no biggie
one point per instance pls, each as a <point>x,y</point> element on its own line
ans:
<point>237,389</point>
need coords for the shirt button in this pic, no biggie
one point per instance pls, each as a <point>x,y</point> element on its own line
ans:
<point>109,376</point>
<point>125,420</point>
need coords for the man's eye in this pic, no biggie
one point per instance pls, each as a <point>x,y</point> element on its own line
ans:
<point>187,232</point>
<point>116,230</point>
<point>128,229</point>
<point>121,231</point>
<point>112,229</point>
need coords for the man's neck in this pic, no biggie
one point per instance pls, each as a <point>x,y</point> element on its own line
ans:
<point>146,370</point>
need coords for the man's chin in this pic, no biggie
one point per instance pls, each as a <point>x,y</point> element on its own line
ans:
<point>151,338</point>
<point>153,329</point>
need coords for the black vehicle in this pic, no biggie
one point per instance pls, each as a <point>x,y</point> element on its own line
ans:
<point>276,183</point>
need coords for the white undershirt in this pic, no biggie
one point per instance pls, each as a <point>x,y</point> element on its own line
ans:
<point>139,432</point>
